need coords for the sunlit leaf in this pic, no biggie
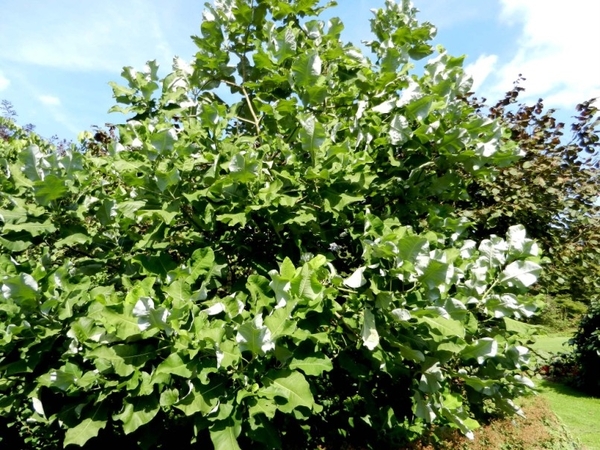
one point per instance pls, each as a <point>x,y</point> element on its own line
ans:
<point>521,274</point>
<point>49,189</point>
<point>357,279</point>
<point>312,136</point>
<point>482,349</point>
<point>138,412</point>
<point>290,385</point>
<point>224,435</point>
<point>255,337</point>
<point>312,365</point>
<point>370,336</point>
<point>306,68</point>
<point>87,429</point>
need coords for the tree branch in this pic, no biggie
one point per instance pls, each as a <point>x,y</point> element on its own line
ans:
<point>248,102</point>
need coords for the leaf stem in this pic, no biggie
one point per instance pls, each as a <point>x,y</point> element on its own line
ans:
<point>492,286</point>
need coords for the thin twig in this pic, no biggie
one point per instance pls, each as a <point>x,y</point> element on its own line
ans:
<point>248,102</point>
<point>244,120</point>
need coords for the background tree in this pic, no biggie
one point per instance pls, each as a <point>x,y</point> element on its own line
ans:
<point>554,190</point>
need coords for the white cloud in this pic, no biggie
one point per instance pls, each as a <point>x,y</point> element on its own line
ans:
<point>49,100</point>
<point>558,50</point>
<point>481,69</point>
<point>4,82</point>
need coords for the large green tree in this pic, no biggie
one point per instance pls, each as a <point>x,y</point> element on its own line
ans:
<point>276,270</point>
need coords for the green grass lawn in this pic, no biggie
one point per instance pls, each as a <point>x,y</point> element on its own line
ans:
<point>578,411</point>
<point>552,342</point>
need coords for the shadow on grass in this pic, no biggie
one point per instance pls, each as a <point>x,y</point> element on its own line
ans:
<point>562,389</point>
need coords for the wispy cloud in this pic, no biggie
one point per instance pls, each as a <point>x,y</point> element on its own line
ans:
<point>481,69</point>
<point>557,51</point>
<point>4,82</point>
<point>65,120</point>
<point>83,36</point>
<point>49,100</point>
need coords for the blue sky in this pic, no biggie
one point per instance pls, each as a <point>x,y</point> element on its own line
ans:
<point>57,57</point>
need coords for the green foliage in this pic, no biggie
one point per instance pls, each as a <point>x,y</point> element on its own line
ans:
<point>579,366</point>
<point>561,312</point>
<point>274,271</point>
<point>586,351</point>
